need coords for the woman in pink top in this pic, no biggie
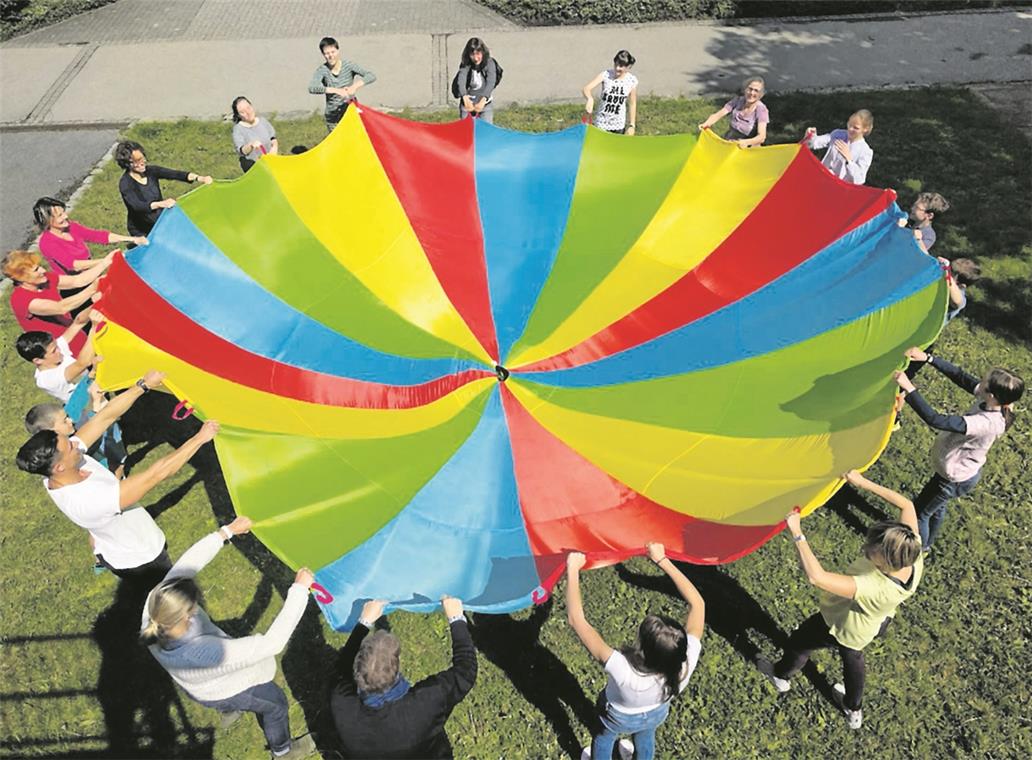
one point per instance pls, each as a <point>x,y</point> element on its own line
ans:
<point>963,442</point>
<point>36,299</point>
<point>749,116</point>
<point>63,242</point>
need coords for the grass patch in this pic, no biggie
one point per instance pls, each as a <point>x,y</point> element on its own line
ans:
<point>21,16</point>
<point>949,681</point>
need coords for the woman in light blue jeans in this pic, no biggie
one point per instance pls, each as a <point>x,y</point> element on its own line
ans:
<point>642,678</point>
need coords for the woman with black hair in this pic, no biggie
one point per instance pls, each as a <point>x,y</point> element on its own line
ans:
<point>63,242</point>
<point>476,80</point>
<point>643,678</point>
<point>140,187</point>
<point>618,100</point>
<point>253,135</point>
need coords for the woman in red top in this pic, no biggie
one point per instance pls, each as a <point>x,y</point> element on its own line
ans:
<point>63,242</point>
<point>35,297</point>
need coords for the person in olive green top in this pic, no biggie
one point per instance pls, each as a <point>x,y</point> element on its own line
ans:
<point>338,80</point>
<point>855,607</point>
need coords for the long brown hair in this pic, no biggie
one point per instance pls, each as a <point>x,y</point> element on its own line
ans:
<point>661,648</point>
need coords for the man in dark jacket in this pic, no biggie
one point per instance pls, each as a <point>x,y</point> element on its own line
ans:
<point>377,713</point>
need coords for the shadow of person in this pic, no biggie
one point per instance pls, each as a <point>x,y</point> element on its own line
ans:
<point>135,693</point>
<point>846,498</point>
<point>538,675</point>
<point>731,612</point>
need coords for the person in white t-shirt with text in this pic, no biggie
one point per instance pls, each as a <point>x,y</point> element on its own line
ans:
<point>644,677</point>
<point>126,539</point>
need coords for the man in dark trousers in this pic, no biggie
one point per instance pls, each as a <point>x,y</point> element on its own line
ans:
<point>377,713</point>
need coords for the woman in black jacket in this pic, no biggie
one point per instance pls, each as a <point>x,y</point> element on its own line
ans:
<point>140,187</point>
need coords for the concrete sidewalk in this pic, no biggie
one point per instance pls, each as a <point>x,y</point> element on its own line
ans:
<point>161,59</point>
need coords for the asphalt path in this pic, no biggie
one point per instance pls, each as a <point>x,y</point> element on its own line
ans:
<point>39,162</point>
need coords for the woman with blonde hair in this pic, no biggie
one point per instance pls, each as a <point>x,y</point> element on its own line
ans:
<point>856,606</point>
<point>749,115</point>
<point>229,675</point>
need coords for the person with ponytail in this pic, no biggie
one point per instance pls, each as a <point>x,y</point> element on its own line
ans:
<point>644,677</point>
<point>229,675</point>
<point>964,441</point>
<point>856,606</point>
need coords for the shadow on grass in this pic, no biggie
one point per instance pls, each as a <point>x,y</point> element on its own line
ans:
<point>731,612</point>
<point>537,674</point>
<point>847,502</point>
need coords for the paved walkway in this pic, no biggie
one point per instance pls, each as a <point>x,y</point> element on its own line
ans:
<point>163,59</point>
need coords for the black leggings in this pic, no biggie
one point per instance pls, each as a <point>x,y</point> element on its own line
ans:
<point>813,634</point>
<point>146,576</point>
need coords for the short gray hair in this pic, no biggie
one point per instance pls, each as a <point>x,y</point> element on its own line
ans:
<point>377,662</point>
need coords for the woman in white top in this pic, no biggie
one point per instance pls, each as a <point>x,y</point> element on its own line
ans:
<point>848,156</point>
<point>618,103</point>
<point>253,135</point>
<point>230,675</point>
<point>643,677</point>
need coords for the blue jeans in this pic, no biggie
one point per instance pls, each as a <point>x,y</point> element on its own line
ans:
<point>641,726</point>
<point>269,704</point>
<point>931,504</point>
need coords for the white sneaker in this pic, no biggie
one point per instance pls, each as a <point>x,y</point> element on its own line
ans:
<point>626,748</point>
<point>855,718</point>
<point>586,753</point>
<point>767,669</point>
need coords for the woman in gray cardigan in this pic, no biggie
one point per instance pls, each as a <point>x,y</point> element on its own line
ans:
<point>476,81</point>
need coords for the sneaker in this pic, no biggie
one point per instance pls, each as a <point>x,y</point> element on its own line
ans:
<point>626,749</point>
<point>229,718</point>
<point>767,669</point>
<point>855,718</point>
<point>585,754</point>
<point>302,746</point>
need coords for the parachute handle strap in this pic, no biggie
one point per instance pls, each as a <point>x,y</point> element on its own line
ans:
<point>321,594</point>
<point>182,411</point>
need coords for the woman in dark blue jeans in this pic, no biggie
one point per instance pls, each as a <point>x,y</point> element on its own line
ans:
<point>963,442</point>
<point>645,676</point>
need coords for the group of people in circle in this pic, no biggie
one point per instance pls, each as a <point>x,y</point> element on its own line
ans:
<point>74,446</point>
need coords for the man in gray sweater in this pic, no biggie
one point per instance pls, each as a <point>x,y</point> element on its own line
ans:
<point>338,80</point>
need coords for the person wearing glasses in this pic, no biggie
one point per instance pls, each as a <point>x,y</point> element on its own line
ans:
<point>140,187</point>
<point>749,116</point>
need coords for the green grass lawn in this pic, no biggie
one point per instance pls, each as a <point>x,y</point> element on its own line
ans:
<point>949,681</point>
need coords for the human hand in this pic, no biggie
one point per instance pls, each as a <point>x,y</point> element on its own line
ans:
<point>918,235</point>
<point>372,610</point>
<point>140,240</point>
<point>575,561</point>
<point>843,148</point>
<point>204,179</point>
<point>304,577</point>
<point>903,381</point>
<point>240,526</point>
<point>792,522</point>
<point>167,203</point>
<point>83,316</point>
<point>656,550</point>
<point>451,606</point>
<point>208,430</point>
<point>916,354</point>
<point>944,261</point>
<point>810,132</point>
<point>152,379</point>
<point>629,131</point>
<point>703,127</point>
<point>901,222</point>
<point>854,478</point>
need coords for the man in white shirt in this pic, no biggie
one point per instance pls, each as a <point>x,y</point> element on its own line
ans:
<point>57,370</point>
<point>127,540</point>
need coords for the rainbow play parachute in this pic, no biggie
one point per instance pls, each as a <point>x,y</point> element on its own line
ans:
<point>445,355</point>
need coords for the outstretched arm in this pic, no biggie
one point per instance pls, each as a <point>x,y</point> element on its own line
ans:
<point>907,513</point>
<point>589,637</point>
<point>136,486</point>
<point>715,117</point>
<point>695,623</point>
<point>95,426</point>
<point>960,377</point>
<point>836,583</point>
<point>951,423</point>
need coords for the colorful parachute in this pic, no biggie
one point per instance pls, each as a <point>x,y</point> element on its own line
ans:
<point>445,355</point>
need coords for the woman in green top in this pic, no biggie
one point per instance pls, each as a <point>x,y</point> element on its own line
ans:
<point>855,607</point>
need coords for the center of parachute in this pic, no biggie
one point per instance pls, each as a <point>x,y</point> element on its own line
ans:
<point>502,372</point>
